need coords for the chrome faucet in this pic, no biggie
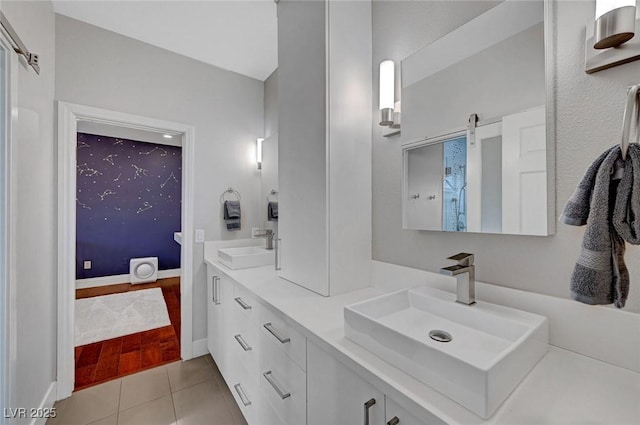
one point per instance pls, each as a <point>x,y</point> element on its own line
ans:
<point>465,274</point>
<point>268,235</point>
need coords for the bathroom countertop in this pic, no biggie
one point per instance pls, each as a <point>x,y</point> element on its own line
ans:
<point>564,388</point>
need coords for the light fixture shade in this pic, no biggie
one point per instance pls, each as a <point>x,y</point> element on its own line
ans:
<point>604,6</point>
<point>259,152</point>
<point>615,23</point>
<point>387,84</point>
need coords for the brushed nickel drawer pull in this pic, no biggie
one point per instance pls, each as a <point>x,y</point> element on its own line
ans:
<point>275,333</point>
<point>242,342</point>
<point>215,289</point>
<point>277,262</point>
<point>243,397</point>
<point>394,421</point>
<point>268,376</point>
<point>242,303</point>
<point>367,406</point>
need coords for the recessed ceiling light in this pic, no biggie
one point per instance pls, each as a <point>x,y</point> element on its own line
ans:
<point>167,136</point>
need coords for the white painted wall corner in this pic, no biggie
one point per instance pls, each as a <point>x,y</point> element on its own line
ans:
<point>200,347</point>
<point>46,404</point>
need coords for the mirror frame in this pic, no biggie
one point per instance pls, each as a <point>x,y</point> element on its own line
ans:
<point>550,130</point>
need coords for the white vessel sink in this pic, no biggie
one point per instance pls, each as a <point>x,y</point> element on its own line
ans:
<point>245,257</point>
<point>491,350</point>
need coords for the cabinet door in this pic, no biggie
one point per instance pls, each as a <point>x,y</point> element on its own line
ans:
<point>302,150</point>
<point>336,395</point>
<point>396,414</point>
<point>212,310</point>
<point>219,298</point>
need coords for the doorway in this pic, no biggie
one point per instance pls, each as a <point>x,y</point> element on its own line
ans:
<point>69,115</point>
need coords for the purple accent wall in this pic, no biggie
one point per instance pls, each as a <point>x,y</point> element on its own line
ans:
<point>128,204</point>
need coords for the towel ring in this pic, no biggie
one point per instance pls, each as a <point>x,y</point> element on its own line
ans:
<point>231,191</point>
<point>630,107</point>
<point>272,193</point>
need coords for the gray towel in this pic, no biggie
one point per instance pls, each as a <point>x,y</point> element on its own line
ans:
<point>272,211</point>
<point>626,219</point>
<point>232,215</point>
<point>600,275</point>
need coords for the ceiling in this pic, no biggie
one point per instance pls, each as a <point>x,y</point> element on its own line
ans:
<point>237,35</point>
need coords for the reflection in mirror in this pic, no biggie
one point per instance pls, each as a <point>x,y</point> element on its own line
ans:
<point>493,181</point>
<point>269,183</point>
<point>483,165</point>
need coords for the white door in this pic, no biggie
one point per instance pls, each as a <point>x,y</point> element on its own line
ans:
<point>524,173</point>
<point>336,395</point>
<point>477,168</point>
<point>8,102</point>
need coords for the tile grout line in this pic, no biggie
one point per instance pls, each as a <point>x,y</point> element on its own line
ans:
<point>173,401</point>
<point>119,398</point>
<point>222,386</point>
<point>173,404</point>
<point>230,408</point>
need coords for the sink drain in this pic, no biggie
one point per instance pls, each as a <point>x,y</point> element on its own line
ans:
<point>440,336</point>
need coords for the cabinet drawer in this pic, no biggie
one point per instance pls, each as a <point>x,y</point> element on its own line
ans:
<point>283,383</point>
<point>247,396</point>
<point>245,307</point>
<point>280,334</point>
<point>268,415</point>
<point>244,345</point>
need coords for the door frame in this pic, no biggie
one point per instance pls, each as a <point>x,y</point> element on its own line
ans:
<point>8,239</point>
<point>68,115</point>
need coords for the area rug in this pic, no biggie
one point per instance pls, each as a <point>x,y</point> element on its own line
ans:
<point>111,316</point>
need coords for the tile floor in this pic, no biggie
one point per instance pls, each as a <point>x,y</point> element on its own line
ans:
<point>180,393</point>
<point>105,360</point>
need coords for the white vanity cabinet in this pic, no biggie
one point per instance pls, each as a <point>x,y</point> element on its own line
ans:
<point>244,352</point>
<point>261,354</point>
<point>219,298</point>
<point>337,395</point>
<point>324,155</point>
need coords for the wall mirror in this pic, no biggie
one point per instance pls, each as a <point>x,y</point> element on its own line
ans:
<point>269,181</point>
<point>478,155</point>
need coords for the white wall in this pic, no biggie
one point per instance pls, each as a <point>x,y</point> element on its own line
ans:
<point>269,172</point>
<point>271,105</point>
<point>99,68</point>
<point>36,221</point>
<point>506,78</point>
<point>588,113</point>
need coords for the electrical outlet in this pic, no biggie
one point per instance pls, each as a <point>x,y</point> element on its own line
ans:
<point>255,231</point>
<point>199,235</point>
<point>87,265</point>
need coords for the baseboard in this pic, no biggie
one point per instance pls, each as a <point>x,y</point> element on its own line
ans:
<point>200,347</point>
<point>119,278</point>
<point>46,404</point>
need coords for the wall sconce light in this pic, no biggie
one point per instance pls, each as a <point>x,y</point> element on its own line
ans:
<point>615,23</point>
<point>613,42</point>
<point>259,152</point>
<point>389,109</point>
<point>387,91</point>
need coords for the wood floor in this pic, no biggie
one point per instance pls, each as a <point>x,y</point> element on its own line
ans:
<point>106,360</point>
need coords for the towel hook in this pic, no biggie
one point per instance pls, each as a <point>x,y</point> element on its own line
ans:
<point>272,193</point>
<point>630,107</point>
<point>231,191</point>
